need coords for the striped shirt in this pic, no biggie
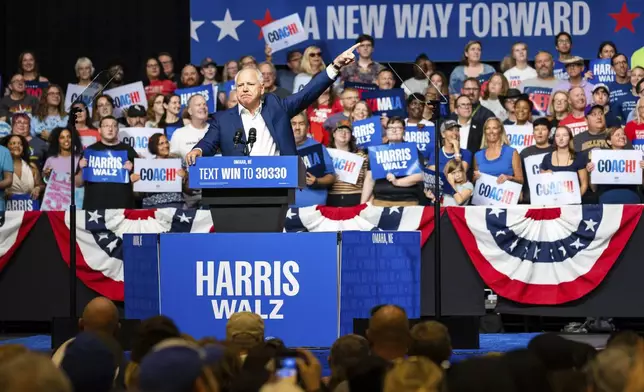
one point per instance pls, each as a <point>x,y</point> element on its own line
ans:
<point>345,188</point>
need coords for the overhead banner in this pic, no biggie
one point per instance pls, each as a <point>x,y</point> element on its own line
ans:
<point>205,278</point>
<point>402,30</point>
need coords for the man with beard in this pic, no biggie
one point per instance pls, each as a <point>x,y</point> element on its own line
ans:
<point>17,100</point>
<point>189,76</point>
<point>540,89</point>
<point>419,83</point>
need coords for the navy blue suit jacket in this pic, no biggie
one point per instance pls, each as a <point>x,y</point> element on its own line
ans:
<point>277,114</point>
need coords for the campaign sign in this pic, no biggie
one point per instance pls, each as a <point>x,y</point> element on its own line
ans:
<point>126,96</point>
<point>378,268</point>
<point>228,87</point>
<point>520,136</point>
<point>35,88</point>
<point>106,166</point>
<point>347,165</point>
<point>141,275</point>
<point>422,136</point>
<point>58,193</point>
<point>21,202</point>
<point>555,189</point>
<point>602,70</point>
<point>560,71</point>
<point>313,158</point>
<point>208,91</point>
<point>244,172</point>
<point>289,279</point>
<point>361,87</point>
<point>74,91</point>
<point>158,175</point>
<point>532,165</point>
<point>429,182</point>
<point>284,33</point>
<point>390,102</point>
<point>399,159</point>
<point>368,132</point>
<point>540,97</point>
<point>616,167</point>
<point>138,139</point>
<point>488,192</point>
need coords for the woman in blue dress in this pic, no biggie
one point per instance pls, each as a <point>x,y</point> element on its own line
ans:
<point>496,157</point>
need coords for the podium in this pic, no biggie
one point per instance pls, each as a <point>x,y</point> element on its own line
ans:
<point>248,194</point>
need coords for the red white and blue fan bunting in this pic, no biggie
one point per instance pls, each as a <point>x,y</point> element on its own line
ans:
<point>544,256</point>
<point>364,217</point>
<point>14,226</point>
<point>99,237</point>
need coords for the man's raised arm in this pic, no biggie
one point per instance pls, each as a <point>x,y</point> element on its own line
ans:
<point>301,100</point>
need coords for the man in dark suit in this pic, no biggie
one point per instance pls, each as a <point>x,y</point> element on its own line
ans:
<point>270,116</point>
<point>472,89</point>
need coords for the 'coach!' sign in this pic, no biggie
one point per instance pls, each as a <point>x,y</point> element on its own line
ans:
<point>488,192</point>
<point>126,96</point>
<point>284,33</point>
<point>616,167</point>
<point>558,188</point>
<point>519,136</point>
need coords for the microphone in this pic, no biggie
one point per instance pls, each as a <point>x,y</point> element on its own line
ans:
<point>252,137</point>
<point>237,139</point>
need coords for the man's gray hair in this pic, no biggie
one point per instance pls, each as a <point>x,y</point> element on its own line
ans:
<point>260,77</point>
<point>273,69</point>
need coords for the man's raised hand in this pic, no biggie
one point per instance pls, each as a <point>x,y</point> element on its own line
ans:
<point>347,57</point>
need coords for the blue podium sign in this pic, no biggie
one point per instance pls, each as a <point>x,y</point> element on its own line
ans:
<point>141,275</point>
<point>244,172</point>
<point>287,278</point>
<point>378,267</point>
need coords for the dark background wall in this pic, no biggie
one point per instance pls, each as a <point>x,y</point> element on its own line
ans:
<point>60,31</point>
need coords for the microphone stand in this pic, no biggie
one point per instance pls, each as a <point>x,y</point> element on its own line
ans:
<point>437,203</point>
<point>73,113</point>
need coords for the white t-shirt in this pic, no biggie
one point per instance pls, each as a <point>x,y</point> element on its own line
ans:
<point>515,75</point>
<point>185,138</point>
<point>413,85</point>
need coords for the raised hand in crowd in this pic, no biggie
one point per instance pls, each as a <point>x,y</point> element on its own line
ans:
<point>82,163</point>
<point>310,371</point>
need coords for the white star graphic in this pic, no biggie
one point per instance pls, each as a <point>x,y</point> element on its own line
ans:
<point>536,252</point>
<point>112,245</point>
<point>290,214</point>
<point>496,212</point>
<point>183,218</point>
<point>94,216</point>
<point>194,25</point>
<point>514,245</point>
<point>228,26</point>
<point>394,209</point>
<point>590,224</point>
<point>577,244</point>
<point>500,232</point>
<point>102,236</point>
<point>563,250</point>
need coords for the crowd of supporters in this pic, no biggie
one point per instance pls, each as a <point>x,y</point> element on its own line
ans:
<point>393,356</point>
<point>571,114</point>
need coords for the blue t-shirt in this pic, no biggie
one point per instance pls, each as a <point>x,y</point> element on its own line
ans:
<point>498,166</point>
<point>6,163</point>
<point>312,196</point>
<point>578,163</point>
<point>624,105</point>
<point>466,156</point>
<point>618,89</point>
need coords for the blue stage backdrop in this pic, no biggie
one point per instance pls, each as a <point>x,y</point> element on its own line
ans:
<point>291,279</point>
<point>378,267</point>
<point>402,30</point>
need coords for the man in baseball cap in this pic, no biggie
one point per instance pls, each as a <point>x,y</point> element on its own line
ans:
<point>574,68</point>
<point>208,69</point>
<point>176,365</point>
<point>245,330</point>
<point>601,96</point>
<point>136,116</point>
